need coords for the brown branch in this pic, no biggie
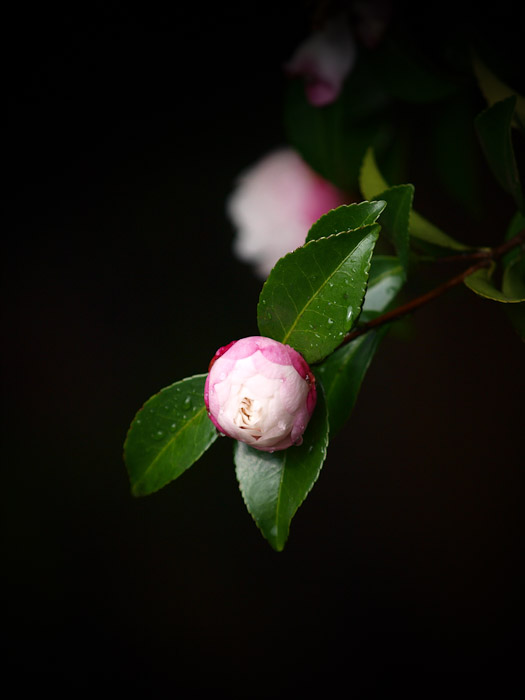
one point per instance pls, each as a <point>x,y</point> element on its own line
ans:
<point>487,257</point>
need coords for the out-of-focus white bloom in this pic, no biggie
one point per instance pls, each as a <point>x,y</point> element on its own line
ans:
<point>261,392</point>
<point>324,60</point>
<point>273,206</point>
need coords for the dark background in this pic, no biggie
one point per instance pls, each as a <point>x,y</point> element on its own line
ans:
<point>124,134</point>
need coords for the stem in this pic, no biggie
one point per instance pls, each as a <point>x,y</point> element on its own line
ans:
<point>487,257</point>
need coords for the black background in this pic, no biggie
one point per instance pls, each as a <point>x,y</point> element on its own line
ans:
<point>124,134</point>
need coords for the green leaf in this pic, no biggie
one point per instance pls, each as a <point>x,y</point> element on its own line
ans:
<point>495,90</point>
<point>395,219</point>
<point>342,373</point>
<point>313,295</point>
<point>371,182</point>
<point>481,283</point>
<point>169,433</point>
<point>274,485</point>
<point>516,226</point>
<point>373,186</point>
<point>455,154</point>
<point>513,282</point>
<point>407,74</point>
<point>345,218</point>
<point>384,282</point>
<point>493,127</point>
<point>334,138</point>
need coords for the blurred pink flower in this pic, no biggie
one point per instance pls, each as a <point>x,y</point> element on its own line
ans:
<point>324,60</point>
<point>273,206</point>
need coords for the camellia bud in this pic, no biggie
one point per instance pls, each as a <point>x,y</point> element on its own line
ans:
<point>261,392</point>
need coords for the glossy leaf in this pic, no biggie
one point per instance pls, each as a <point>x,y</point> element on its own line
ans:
<point>346,218</point>
<point>493,127</point>
<point>373,185</point>
<point>342,373</point>
<point>314,295</point>
<point>169,433</point>
<point>273,485</point>
<point>481,282</point>
<point>385,280</point>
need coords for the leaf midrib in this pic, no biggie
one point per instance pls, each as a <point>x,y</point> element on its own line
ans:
<point>167,445</point>
<point>305,307</point>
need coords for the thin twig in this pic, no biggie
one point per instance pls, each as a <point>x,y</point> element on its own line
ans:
<point>487,258</point>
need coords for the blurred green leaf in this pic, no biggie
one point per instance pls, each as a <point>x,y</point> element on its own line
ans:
<point>395,219</point>
<point>169,433</point>
<point>345,218</point>
<point>495,90</point>
<point>481,282</point>
<point>373,186</point>
<point>409,75</point>
<point>493,126</point>
<point>513,282</point>
<point>273,485</point>
<point>333,139</point>
<point>371,182</point>
<point>456,155</point>
<point>314,295</point>
<point>517,225</point>
<point>342,373</point>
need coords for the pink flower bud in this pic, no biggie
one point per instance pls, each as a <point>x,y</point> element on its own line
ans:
<point>324,60</point>
<point>261,392</point>
<point>273,206</point>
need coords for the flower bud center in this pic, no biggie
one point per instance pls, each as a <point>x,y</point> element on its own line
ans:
<point>248,415</point>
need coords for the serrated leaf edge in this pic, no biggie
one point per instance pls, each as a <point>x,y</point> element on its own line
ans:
<point>375,229</point>
<point>347,230</point>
